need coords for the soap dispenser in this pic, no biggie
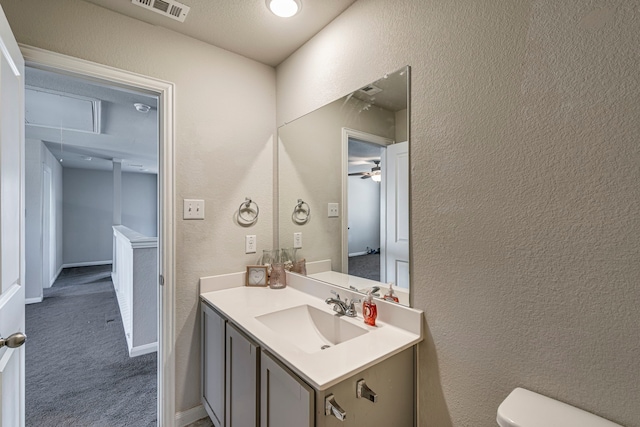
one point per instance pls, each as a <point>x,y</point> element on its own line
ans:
<point>369,310</point>
<point>390,295</point>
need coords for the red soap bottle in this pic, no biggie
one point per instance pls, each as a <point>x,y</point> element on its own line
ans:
<point>369,310</point>
<point>391,296</point>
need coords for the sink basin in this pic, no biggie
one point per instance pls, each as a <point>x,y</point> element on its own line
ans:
<point>311,329</point>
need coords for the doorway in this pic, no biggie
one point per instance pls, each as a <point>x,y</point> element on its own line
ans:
<point>123,80</point>
<point>364,200</point>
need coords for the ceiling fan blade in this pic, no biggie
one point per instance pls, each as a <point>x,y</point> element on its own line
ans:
<point>365,176</point>
<point>358,173</point>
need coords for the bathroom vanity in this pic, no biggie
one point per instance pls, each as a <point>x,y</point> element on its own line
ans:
<point>285,358</point>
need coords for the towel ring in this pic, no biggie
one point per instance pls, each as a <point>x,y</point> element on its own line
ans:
<point>246,214</point>
<point>301,212</point>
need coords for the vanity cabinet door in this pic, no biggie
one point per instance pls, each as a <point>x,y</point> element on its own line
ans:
<point>285,400</point>
<point>213,364</point>
<point>242,380</point>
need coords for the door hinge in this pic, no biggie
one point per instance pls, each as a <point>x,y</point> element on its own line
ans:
<point>161,280</point>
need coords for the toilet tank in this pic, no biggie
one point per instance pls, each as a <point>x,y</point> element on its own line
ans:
<point>524,408</point>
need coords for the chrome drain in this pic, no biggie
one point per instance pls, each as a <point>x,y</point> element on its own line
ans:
<point>324,346</point>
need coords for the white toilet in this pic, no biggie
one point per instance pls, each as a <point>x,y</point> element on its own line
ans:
<point>524,408</point>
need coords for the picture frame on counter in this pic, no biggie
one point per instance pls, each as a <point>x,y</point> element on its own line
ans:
<point>257,275</point>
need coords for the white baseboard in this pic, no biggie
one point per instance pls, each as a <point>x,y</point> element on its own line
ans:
<point>87,264</point>
<point>185,418</point>
<point>358,253</point>
<point>143,349</point>
<point>33,300</point>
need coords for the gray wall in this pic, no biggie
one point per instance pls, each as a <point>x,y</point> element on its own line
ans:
<point>364,213</point>
<point>140,202</point>
<point>224,127</point>
<point>35,156</point>
<point>525,209</point>
<point>88,216</point>
<point>88,212</point>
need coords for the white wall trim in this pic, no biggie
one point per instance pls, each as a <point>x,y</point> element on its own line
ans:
<point>357,253</point>
<point>143,349</point>
<point>64,64</point>
<point>85,264</point>
<point>33,300</point>
<point>190,416</point>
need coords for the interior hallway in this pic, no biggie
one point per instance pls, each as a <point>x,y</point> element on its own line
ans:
<point>78,370</point>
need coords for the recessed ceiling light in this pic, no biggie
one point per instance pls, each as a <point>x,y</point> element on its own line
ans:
<point>284,8</point>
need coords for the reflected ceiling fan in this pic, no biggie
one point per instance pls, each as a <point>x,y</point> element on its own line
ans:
<point>374,174</point>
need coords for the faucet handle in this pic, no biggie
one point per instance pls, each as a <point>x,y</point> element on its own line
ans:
<point>363,390</point>
<point>351,310</point>
<point>331,407</point>
<point>336,294</point>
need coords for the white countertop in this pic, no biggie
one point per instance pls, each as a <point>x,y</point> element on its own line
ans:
<point>323,369</point>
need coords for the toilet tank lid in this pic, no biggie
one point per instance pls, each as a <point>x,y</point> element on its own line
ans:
<point>524,408</point>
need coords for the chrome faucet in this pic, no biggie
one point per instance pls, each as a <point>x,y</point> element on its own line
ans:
<point>341,307</point>
<point>374,290</point>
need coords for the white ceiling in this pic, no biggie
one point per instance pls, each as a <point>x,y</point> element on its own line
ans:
<point>125,133</point>
<point>246,27</point>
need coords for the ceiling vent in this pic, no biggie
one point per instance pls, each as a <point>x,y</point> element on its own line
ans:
<point>371,90</point>
<point>169,8</point>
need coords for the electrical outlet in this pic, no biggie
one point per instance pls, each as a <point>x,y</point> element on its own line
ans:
<point>333,210</point>
<point>193,209</point>
<point>297,240</point>
<point>250,244</point>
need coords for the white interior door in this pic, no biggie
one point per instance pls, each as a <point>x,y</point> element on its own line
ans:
<point>11,228</point>
<point>396,179</point>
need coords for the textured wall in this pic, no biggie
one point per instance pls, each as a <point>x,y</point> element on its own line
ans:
<point>526,204</point>
<point>225,110</point>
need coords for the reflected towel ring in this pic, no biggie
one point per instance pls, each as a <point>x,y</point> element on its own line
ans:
<point>301,212</point>
<point>246,214</point>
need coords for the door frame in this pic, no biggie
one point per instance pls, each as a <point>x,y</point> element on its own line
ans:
<point>47,231</point>
<point>363,136</point>
<point>47,60</point>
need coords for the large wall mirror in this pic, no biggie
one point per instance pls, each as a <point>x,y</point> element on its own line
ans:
<point>343,174</point>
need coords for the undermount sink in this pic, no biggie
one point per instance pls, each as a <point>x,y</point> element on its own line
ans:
<point>311,329</point>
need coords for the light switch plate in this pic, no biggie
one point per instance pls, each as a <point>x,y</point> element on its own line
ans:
<point>333,210</point>
<point>193,209</point>
<point>250,244</point>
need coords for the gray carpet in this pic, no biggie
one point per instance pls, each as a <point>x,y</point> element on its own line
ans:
<point>79,372</point>
<point>367,266</point>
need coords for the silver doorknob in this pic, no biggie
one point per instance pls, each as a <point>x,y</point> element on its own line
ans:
<point>13,340</point>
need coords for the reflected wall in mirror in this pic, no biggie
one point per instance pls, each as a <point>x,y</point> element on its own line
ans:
<point>354,154</point>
